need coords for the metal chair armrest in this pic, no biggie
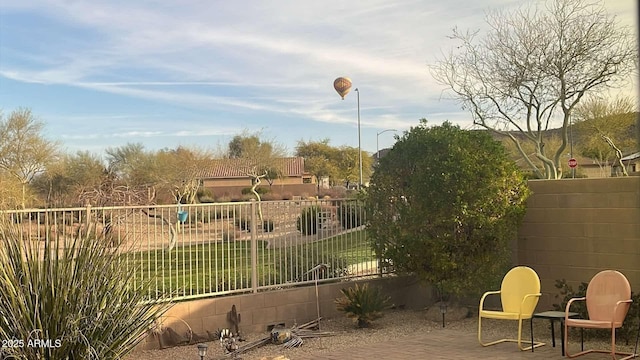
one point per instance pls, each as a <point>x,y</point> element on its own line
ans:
<point>566,311</point>
<point>487,294</point>
<point>525,299</point>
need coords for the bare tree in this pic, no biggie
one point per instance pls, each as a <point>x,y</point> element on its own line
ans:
<point>24,152</point>
<point>260,158</point>
<point>533,67</point>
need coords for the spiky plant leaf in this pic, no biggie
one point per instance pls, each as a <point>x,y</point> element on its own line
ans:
<point>75,294</point>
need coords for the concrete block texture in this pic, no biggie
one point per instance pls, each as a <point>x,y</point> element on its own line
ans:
<point>288,306</point>
<point>575,228</point>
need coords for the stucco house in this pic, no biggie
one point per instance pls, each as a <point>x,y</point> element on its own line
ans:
<point>227,177</point>
<point>632,163</point>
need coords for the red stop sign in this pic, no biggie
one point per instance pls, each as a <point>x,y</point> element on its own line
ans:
<point>573,163</point>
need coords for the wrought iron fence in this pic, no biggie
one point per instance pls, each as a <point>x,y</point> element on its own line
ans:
<point>186,251</point>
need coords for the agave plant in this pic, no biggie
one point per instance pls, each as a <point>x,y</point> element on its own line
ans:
<point>69,298</point>
<point>363,304</point>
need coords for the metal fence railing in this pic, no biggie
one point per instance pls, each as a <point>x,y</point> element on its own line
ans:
<point>185,251</point>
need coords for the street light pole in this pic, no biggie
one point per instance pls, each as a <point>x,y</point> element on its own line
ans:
<point>377,147</point>
<point>359,143</point>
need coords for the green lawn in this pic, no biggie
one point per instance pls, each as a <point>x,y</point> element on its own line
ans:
<point>222,267</point>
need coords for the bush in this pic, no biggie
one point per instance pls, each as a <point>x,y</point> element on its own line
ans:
<point>350,214</point>
<point>336,192</point>
<point>259,190</point>
<point>364,304</point>
<point>205,196</point>
<point>308,221</point>
<point>78,295</point>
<point>428,213</point>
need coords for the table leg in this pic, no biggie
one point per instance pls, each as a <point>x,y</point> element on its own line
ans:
<point>553,335</point>
<point>562,335</point>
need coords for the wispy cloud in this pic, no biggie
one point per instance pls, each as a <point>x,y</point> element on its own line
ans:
<point>234,64</point>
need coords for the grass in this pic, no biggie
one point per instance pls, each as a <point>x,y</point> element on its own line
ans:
<point>226,266</point>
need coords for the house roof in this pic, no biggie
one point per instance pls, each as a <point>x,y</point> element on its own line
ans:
<point>238,168</point>
<point>631,156</point>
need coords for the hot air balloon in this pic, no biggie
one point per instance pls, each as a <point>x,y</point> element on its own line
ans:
<point>342,86</point>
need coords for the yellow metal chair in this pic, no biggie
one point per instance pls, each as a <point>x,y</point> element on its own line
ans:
<point>519,294</point>
<point>608,299</point>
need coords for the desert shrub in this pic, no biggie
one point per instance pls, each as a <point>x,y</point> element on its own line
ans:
<point>350,214</point>
<point>308,221</point>
<point>271,196</point>
<point>259,190</point>
<point>364,304</point>
<point>206,199</point>
<point>205,196</point>
<point>109,313</point>
<point>566,293</point>
<point>336,192</point>
<point>287,196</point>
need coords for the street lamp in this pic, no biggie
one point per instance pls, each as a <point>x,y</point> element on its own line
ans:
<point>359,143</point>
<point>377,147</point>
<point>342,86</point>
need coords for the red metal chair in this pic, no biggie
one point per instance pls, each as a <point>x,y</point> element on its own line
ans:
<point>608,299</point>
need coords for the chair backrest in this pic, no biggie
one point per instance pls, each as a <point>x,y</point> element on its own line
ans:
<point>605,289</point>
<point>518,282</point>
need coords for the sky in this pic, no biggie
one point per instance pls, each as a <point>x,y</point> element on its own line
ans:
<point>104,73</point>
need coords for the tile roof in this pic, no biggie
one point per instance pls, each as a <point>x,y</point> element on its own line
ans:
<point>238,168</point>
<point>631,156</point>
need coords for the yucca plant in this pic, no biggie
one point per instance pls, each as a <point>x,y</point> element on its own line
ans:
<point>363,304</point>
<point>69,298</point>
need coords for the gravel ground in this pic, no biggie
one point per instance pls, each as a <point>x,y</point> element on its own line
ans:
<point>394,324</point>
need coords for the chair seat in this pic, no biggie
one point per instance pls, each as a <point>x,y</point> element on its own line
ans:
<point>592,324</point>
<point>503,315</point>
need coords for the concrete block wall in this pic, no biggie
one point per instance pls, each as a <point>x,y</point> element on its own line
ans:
<point>288,306</point>
<point>575,228</point>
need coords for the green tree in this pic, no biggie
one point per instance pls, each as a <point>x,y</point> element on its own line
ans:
<point>24,151</point>
<point>180,168</point>
<point>66,181</point>
<point>605,129</point>
<point>320,158</point>
<point>535,65</point>
<point>134,175</point>
<point>348,166</point>
<point>445,204</point>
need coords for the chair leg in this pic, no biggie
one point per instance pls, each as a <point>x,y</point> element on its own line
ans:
<point>531,332</point>
<point>635,349</point>
<point>612,352</point>
<point>518,340</point>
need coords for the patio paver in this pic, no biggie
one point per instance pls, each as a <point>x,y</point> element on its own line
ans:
<point>442,344</point>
